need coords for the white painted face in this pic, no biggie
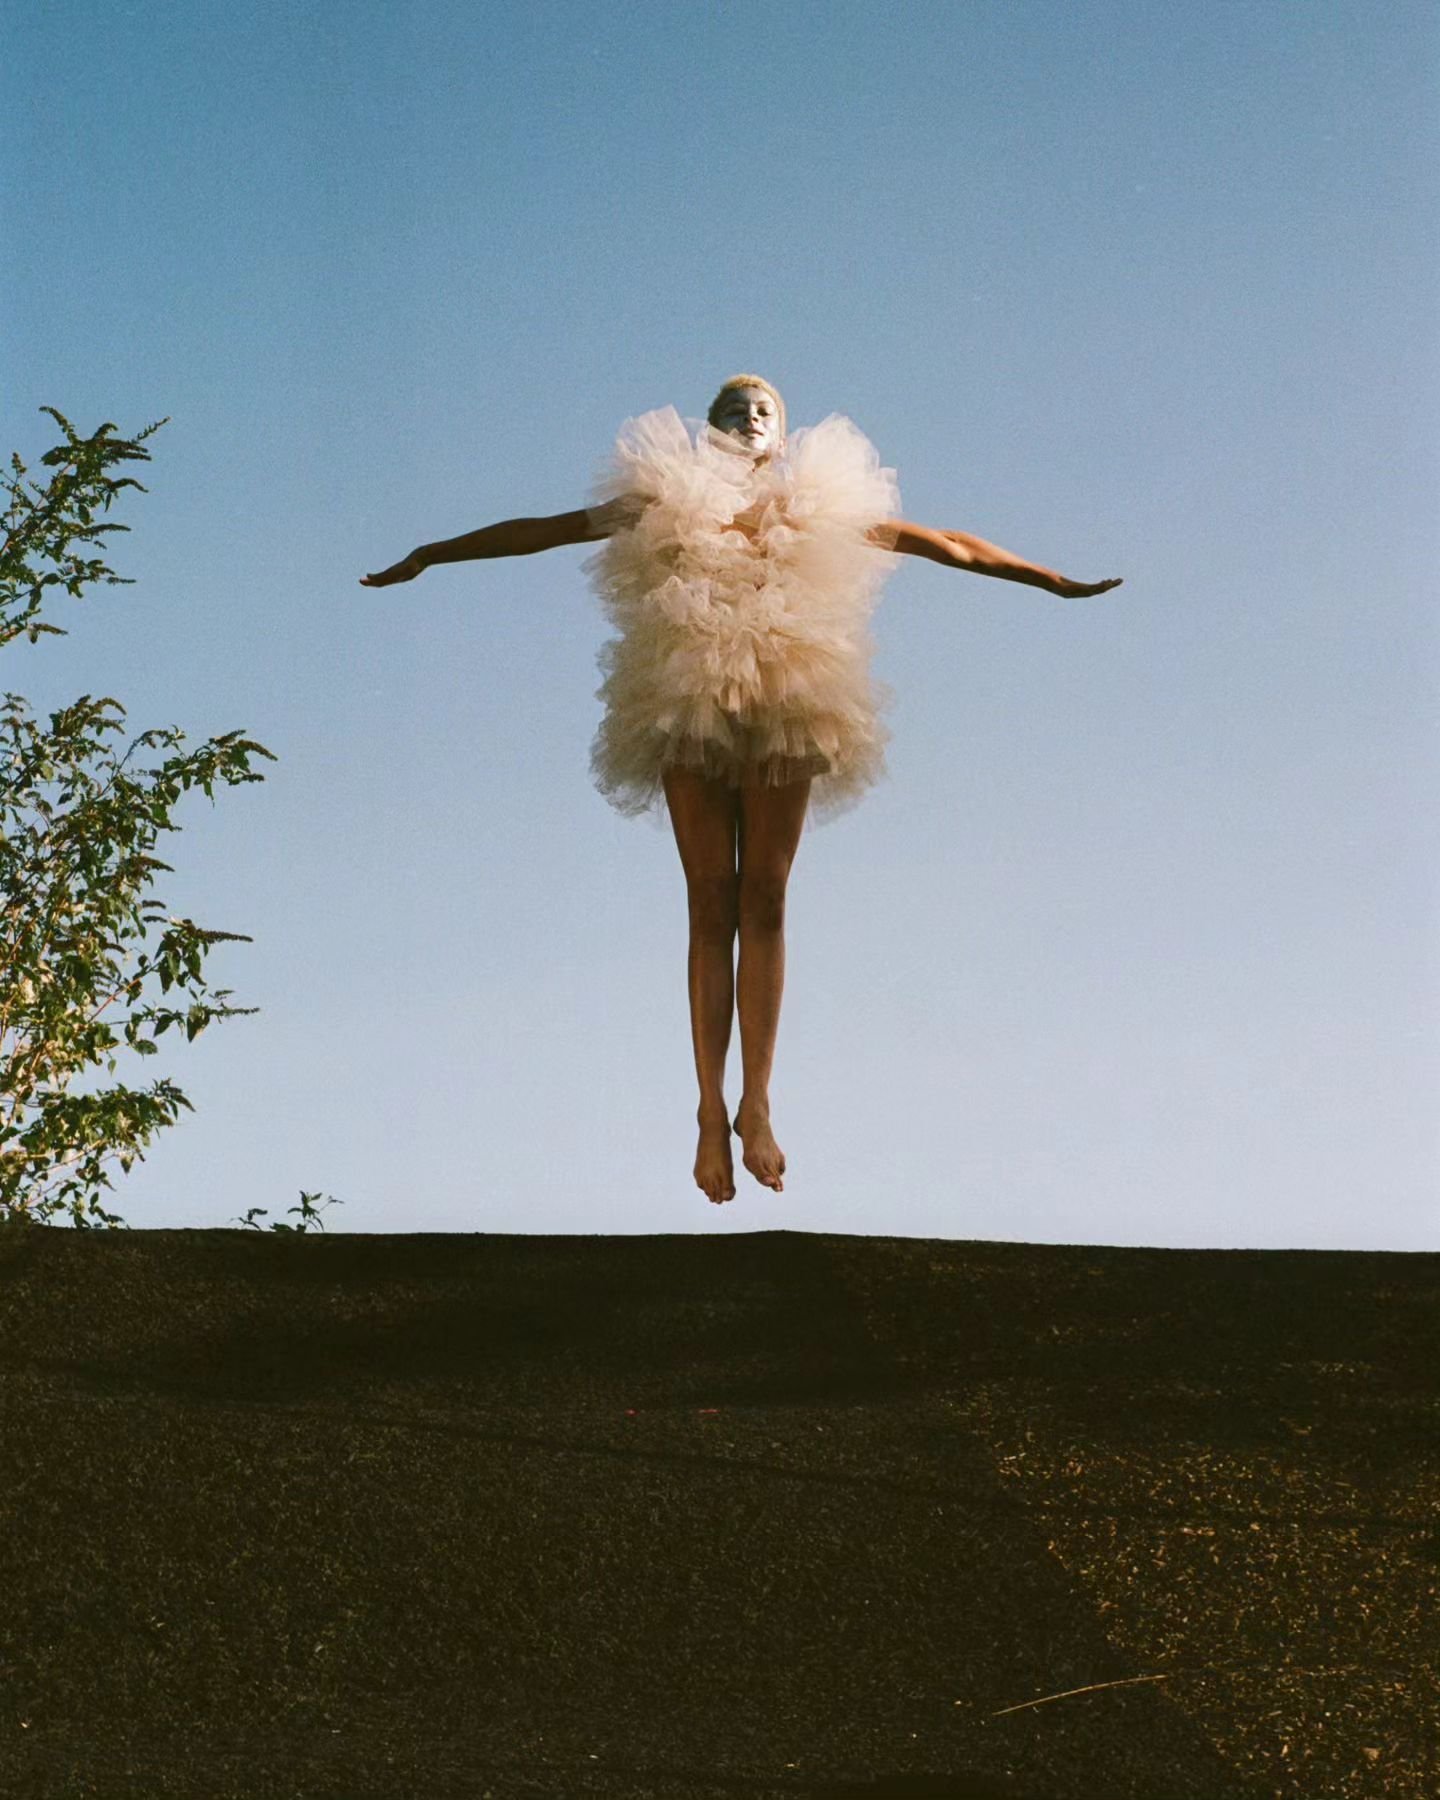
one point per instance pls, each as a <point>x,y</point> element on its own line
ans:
<point>749,414</point>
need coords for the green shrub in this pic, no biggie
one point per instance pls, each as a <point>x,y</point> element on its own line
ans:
<point>91,964</point>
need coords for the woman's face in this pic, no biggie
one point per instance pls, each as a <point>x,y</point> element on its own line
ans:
<point>749,414</point>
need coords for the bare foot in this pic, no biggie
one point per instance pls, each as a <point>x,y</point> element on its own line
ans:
<point>763,1156</point>
<point>714,1171</point>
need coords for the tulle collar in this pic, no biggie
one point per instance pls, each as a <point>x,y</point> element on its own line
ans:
<point>737,464</point>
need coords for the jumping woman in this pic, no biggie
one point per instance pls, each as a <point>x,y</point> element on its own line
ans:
<point>740,568</point>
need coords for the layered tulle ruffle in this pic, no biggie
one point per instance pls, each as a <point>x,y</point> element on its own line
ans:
<point>742,596</point>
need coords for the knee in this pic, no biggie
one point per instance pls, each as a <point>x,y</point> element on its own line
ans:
<point>714,905</point>
<point>762,902</point>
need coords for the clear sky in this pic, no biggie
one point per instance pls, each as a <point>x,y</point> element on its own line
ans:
<point>1137,944</point>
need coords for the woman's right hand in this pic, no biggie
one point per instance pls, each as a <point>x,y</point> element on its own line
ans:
<point>405,570</point>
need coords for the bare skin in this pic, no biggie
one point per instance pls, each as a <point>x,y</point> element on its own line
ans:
<point>736,847</point>
<point>737,844</point>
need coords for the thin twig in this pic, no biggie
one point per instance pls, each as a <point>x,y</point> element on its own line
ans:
<point>1094,1687</point>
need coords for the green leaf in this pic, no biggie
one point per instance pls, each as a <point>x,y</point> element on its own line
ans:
<point>78,821</point>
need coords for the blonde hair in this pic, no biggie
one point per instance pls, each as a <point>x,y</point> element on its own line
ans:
<point>743,381</point>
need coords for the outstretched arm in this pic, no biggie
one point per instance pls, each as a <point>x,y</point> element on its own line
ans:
<point>511,537</point>
<point>958,550</point>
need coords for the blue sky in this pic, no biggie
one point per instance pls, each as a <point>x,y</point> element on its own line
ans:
<point>1138,942</point>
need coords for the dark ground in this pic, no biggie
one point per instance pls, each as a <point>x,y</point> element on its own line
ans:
<point>414,1517</point>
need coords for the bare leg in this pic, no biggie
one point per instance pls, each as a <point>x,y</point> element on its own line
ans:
<point>772,819</point>
<point>704,814</point>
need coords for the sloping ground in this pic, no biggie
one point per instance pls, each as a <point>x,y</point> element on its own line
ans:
<point>713,1517</point>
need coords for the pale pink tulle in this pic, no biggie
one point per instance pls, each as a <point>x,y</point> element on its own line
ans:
<point>743,657</point>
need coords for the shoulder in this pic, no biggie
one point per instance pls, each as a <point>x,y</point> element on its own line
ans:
<point>836,471</point>
<point>834,439</point>
<point>649,449</point>
<point>659,432</point>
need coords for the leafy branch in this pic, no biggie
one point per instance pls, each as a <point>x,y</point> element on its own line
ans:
<point>91,964</point>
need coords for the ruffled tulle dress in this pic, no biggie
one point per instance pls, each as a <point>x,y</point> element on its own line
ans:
<point>742,594</point>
